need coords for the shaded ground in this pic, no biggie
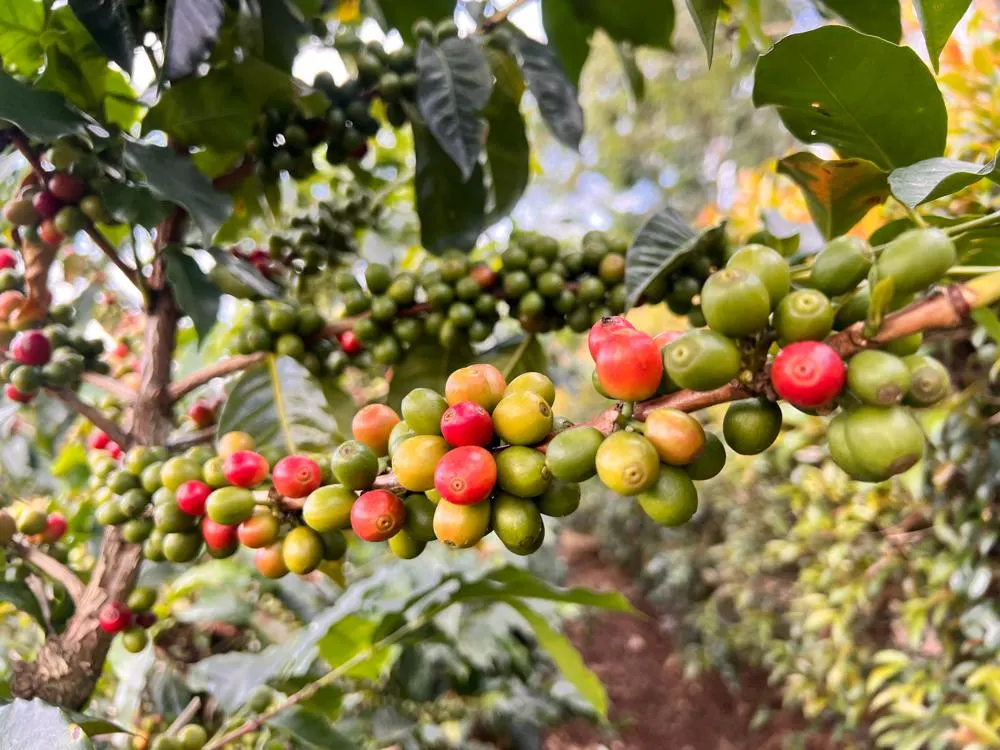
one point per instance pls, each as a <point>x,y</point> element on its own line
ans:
<point>652,706</point>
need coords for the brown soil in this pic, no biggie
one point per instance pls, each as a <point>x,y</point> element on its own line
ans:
<point>652,706</point>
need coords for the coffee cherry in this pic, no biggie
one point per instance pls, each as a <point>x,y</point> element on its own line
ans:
<point>414,461</point>
<point>882,441</point>
<point>114,618</point>
<point>141,599</point>
<point>482,384</point>
<point>602,330</point>
<point>916,259</point>
<point>629,366</point>
<point>218,536</point>
<point>354,465</point>
<point>808,374</point>
<point>191,497</point>
<point>55,528</point>
<point>702,360</point>
<point>672,500</point>
<point>752,425</point>
<point>710,462</point>
<point>328,508</point>
<point>31,348</point>
<point>8,258</point>
<point>404,546</point>
<point>201,414</point>
<point>372,426</point>
<point>296,476</point>
<point>46,205</point>
<point>804,315</point>
<point>767,265</point>
<point>560,499</point>
<point>534,382</point>
<point>302,550</point>
<point>929,380</point>
<point>627,463</point>
<point>572,454</point>
<point>419,517</point>
<point>177,470</point>
<point>245,469</point>
<point>467,423</point>
<point>269,561</point>
<point>517,523</point>
<point>878,378</point>
<point>66,188</point>
<point>735,302</point>
<point>523,418</point>
<point>678,437</point>
<point>192,737</point>
<point>422,410</point>
<point>7,527</point>
<point>32,521</point>
<point>20,397</point>
<point>232,442</point>
<point>522,471</point>
<point>229,505</point>
<point>465,475</point>
<point>350,343</point>
<point>49,233</point>
<point>841,265</point>
<point>461,526</point>
<point>377,515</point>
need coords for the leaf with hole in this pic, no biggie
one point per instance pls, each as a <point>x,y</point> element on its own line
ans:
<point>454,83</point>
<point>866,97</point>
<point>935,178</point>
<point>838,192</point>
<point>548,83</point>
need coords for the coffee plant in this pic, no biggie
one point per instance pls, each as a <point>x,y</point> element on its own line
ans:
<point>253,394</point>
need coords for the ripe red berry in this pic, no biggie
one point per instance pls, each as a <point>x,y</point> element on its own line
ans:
<point>201,414</point>
<point>191,497</point>
<point>466,475</point>
<point>483,275</point>
<point>67,188</point>
<point>145,619</point>
<point>350,343</point>
<point>114,617</point>
<point>245,468</point>
<point>377,515</point>
<point>8,258</point>
<point>121,350</point>
<point>808,374</point>
<point>50,234</point>
<point>603,329</point>
<point>629,366</point>
<point>98,440</point>
<point>467,423</point>
<point>114,450</point>
<point>55,528</point>
<point>15,395</point>
<point>217,535</point>
<point>46,204</point>
<point>296,476</point>
<point>31,348</point>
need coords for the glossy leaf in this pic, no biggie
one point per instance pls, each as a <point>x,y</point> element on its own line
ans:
<point>192,29</point>
<point>641,24</point>
<point>517,583</point>
<point>452,214</point>
<point>133,204</point>
<point>877,17</point>
<point>18,594</point>
<point>838,192</point>
<point>176,179</point>
<point>938,19</point>
<point>282,406</point>
<point>705,14</point>
<point>934,178</point>
<point>196,295</point>
<point>35,724</point>
<point>454,84</point>
<point>568,35</point>
<point>21,27</point>
<point>864,96</point>
<point>93,726</point>
<point>284,24</point>
<point>548,83</point>
<point>108,23</point>
<point>44,115</point>
<point>660,246</point>
<point>508,153</point>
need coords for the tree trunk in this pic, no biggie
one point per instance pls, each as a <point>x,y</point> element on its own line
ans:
<point>69,665</point>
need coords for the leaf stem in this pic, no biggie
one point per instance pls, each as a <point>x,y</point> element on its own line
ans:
<point>915,217</point>
<point>518,354</point>
<point>983,221</point>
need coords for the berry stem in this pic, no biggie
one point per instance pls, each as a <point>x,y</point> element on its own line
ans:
<point>50,567</point>
<point>184,717</point>
<point>500,16</point>
<point>988,220</point>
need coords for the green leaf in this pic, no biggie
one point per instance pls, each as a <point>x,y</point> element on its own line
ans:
<point>452,214</point>
<point>507,151</point>
<point>43,115</point>
<point>864,96</point>
<point>192,29</point>
<point>176,179</point>
<point>660,246</point>
<point>246,274</point>
<point>838,192</point>
<point>94,726</point>
<point>641,24</point>
<point>349,637</point>
<point>21,26</point>
<point>705,14</point>
<point>285,24</point>
<point>510,582</point>
<point>196,295</point>
<point>107,21</point>
<point>876,17</point>
<point>18,594</point>
<point>548,83</point>
<point>938,19</point>
<point>453,86</point>
<point>636,81</point>
<point>568,35</point>
<point>33,724</point>
<point>400,14</point>
<point>882,292</point>
<point>281,405</point>
<point>312,729</point>
<point>934,178</point>
<point>566,658</point>
<point>132,204</point>
<point>988,319</point>
<point>426,366</point>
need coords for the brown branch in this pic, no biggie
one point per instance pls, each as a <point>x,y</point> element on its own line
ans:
<point>95,415</point>
<point>50,567</point>
<point>182,387</point>
<point>500,16</point>
<point>110,385</point>
<point>181,442</point>
<point>235,177</point>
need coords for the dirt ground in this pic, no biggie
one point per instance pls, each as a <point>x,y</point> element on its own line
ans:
<point>652,706</point>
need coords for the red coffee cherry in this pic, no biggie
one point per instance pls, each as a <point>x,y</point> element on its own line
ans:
<point>46,204</point>
<point>808,374</point>
<point>50,234</point>
<point>15,395</point>
<point>200,412</point>
<point>296,476</point>
<point>8,258</point>
<point>603,329</point>
<point>114,617</point>
<point>350,343</point>
<point>55,528</point>
<point>467,423</point>
<point>245,469</point>
<point>629,366</point>
<point>191,497</point>
<point>217,535</point>
<point>67,188</point>
<point>377,515</point>
<point>114,450</point>
<point>466,475</point>
<point>31,348</point>
<point>98,440</point>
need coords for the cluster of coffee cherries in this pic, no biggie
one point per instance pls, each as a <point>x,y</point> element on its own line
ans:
<point>392,76</point>
<point>547,289</point>
<point>291,330</point>
<point>132,618</point>
<point>52,357</point>
<point>49,213</point>
<point>326,239</point>
<point>35,525</point>
<point>189,737</point>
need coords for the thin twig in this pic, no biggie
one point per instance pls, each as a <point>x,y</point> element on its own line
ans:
<point>182,387</point>
<point>110,385</point>
<point>515,358</point>
<point>235,177</point>
<point>50,567</point>
<point>500,16</point>
<point>112,253</point>
<point>37,587</point>
<point>94,414</point>
<point>181,442</point>
<point>184,717</point>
